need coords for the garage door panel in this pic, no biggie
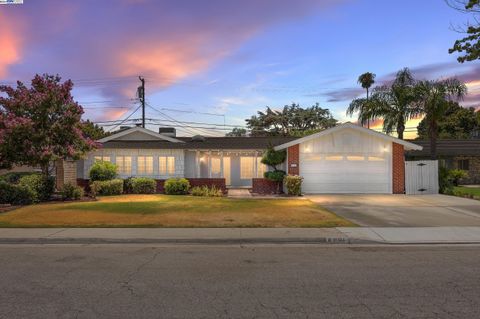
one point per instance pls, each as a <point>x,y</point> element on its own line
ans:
<point>344,175</point>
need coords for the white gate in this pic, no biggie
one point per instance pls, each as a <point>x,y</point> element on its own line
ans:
<point>421,177</point>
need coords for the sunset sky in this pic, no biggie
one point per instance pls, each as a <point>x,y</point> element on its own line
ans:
<point>228,57</point>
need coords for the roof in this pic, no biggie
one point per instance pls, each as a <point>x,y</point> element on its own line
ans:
<point>141,130</point>
<point>213,143</point>
<point>448,148</point>
<point>348,125</point>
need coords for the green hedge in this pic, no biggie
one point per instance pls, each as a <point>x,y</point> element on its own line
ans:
<point>42,186</point>
<point>16,194</point>
<point>102,171</point>
<point>111,187</point>
<point>176,186</point>
<point>70,191</point>
<point>142,185</point>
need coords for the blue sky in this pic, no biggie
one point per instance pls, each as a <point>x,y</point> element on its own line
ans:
<point>231,58</point>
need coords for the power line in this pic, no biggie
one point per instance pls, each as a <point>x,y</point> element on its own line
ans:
<point>126,118</point>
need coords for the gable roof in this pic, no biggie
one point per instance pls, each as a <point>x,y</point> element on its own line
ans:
<point>209,143</point>
<point>141,130</point>
<point>348,125</point>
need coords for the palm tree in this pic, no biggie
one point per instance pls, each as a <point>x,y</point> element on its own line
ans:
<point>433,98</point>
<point>395,104</point>
<point>366,80</point>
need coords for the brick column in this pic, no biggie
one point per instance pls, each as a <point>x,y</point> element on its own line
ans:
<point>294,160</point>
<point>398,169</point>
<point>66,172</point>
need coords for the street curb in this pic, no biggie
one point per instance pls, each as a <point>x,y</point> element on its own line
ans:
<point>220,241</point>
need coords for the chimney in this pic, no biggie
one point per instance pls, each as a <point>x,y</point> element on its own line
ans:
<point>167,131</point>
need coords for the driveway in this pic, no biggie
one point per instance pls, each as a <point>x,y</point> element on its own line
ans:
<point>402,210</point>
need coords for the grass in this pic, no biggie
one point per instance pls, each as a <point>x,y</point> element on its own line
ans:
<point>471,192</point>
<point>174,211</point>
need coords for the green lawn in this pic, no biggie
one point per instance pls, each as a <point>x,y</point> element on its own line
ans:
<point>473,192</point>
<point>174,211</point>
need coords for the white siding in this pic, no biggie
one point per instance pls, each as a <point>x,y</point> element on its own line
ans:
<point>346,162</point>
<point>155,153</point>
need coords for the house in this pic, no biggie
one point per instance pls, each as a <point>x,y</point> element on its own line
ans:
<point>453,154</point>
<point>344,159</point>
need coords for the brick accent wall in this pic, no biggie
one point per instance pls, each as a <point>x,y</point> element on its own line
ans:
<point>398,169</point>
<point>218,182</point>
<point>294,160</point>
<point>264,186</point>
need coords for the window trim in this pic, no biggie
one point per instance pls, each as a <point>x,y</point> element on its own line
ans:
<point>146,172</point>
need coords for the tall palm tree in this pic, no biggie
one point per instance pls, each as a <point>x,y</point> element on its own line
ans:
<point>433,97</point>
<point>366,80</point>
<point>395,104</point>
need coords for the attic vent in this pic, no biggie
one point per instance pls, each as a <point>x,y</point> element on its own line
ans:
<point>198,138</point>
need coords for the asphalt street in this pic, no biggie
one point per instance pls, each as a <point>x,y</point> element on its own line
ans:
<point>254,281</point>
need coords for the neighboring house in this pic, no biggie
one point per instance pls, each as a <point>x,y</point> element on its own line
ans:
<point>459,154</point>
<point>344,159</point>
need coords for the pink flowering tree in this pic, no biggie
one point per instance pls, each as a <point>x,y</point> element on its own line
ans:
<point>40,124</point>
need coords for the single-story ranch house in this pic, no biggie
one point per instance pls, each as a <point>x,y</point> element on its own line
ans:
<point>344,159</point>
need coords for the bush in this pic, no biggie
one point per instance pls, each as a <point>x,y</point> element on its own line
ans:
<point>41,186</point>
<point>275,176</point>
<point>142,185</point>
<point>102,171</point>
<point>445,184</point>
<point>456,175</point>
<point>70,191</point>
<point>127,185</point>
<point>176,186</point>
<point>13,178</point>
<point>293,183</point>
<point>207,191</point>
<point>16,194</point>
<point>111,187</point>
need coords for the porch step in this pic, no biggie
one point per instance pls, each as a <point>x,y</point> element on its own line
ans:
<point>239,192</point>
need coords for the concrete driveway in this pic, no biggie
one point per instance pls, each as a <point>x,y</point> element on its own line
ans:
<point>402,210</point>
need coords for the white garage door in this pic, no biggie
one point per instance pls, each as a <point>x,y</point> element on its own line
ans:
<point>345,174</point>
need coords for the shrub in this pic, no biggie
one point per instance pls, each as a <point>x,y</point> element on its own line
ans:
<point>445,184</point>
<point>13,178</point>
<point>206,191</point>
<point>111,187</point>
<point>70,191</point>
<point>176,186</point>
<point>276,176</point>
<point>102,171</point>
<point>293,183</point>
<point>127,185</point>
<point>142,185</point>
<point>455,175</point>
<point>43,187</point>
<point>16,194</point>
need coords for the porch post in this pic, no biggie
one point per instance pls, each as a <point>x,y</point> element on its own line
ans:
<point>255,174</point>
<point>221,164</point>
<point>209,164</point>
<point>197,164</point>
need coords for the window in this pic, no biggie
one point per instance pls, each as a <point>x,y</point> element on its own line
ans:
<point>355,158</point>
<point>145,165</point>
<point>215,165</point>
<point>124,165</point>
<point>261,168</point>
<point>246,167</point>
<point>102,158</point>
<point>166,165</point>
<point>334,157</point>
<point>464,164</point>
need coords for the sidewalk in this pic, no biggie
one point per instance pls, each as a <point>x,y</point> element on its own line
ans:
<point>341,235</point>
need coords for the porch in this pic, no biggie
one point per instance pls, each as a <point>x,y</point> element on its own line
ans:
<point>237,167</point>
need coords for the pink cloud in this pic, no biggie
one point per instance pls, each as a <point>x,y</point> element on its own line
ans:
<point>10,43</point>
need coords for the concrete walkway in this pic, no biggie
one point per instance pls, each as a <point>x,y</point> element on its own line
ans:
<point>340,235</point>
<point>239,193</point>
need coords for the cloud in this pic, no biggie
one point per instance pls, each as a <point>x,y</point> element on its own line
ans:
<point>9,43</point>
<point>166,41</point>
<point>345,94</point>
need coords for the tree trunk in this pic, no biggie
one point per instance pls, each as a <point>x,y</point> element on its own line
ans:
<point>368,120</point>
<point>400,130</point>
